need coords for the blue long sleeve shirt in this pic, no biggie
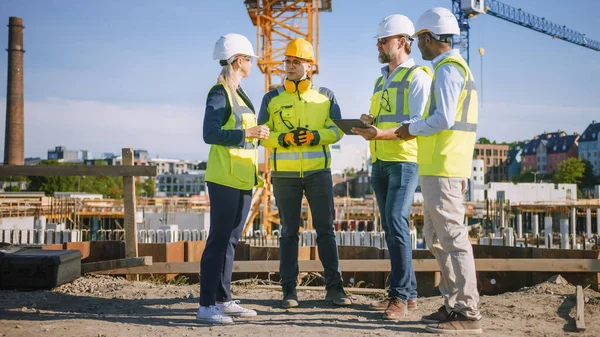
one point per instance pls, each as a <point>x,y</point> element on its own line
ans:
<point>449,81</point>
<point>217,113</point>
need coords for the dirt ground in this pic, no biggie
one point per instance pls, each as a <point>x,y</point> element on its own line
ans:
<point>106,306</point>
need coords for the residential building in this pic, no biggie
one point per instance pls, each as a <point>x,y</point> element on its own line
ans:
<point>528,158</point>
<point>140,155</point>
<point>535,154</point>
<point>477,181</point>
<point>61,153</point>
<point>182,184</point>
<point>589,146</point>
<point>514,161</point>
<point>84,155</point>
<point>560,149</point>
<point>495,160</point>
<point>541,156</point>
<point>355,187</point>
<point>165,166</point>
<point>176,166</point>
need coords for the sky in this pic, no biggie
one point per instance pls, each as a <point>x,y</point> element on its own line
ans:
<point>104,75</point>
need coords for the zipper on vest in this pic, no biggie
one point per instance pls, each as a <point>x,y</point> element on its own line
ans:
<point>303,105</point>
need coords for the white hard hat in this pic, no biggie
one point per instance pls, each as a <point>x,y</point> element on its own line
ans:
<point>395,24</point>
<point>229,45</point>
<point>439,21</point>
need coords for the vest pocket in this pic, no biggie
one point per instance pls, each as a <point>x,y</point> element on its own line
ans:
<point>284,118</point>
<point>242,167</point>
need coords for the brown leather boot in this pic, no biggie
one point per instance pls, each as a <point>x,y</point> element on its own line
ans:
<point>383,304</point>
<point>396,310</point>
<point>380,305</point>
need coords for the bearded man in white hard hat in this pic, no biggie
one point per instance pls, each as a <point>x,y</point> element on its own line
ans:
<point>446,138</point>
<point>400,96</point>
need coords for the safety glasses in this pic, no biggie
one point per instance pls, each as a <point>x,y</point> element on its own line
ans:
<point>384,40</point>
<point>294,63</point>
<point>385,101</point>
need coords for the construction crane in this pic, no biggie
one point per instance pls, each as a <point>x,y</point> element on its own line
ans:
<point>464,10</point>
<point>278,22</point>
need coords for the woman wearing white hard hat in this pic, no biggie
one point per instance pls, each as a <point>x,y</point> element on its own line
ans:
<point>231,130</point>
<point>446,138</point>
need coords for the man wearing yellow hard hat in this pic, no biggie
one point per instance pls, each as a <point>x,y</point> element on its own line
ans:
<point>299,115</point>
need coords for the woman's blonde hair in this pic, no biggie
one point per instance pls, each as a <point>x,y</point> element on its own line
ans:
<point>228,76</point>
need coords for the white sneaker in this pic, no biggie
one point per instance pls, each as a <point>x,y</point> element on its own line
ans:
<point>232,308</point>
<point>213,315</point>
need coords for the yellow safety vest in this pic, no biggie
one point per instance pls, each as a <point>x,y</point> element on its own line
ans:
<point>288,111</point>
<point>235,166</point>
<point>449,153</point>
<point>390,108</point>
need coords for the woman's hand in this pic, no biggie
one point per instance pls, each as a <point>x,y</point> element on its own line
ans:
<point>259,132</point>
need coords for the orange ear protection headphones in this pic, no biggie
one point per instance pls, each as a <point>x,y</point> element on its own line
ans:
<point>301,86</point>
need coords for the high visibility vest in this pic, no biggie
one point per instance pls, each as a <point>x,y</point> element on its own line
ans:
<point>390,108</point>
<point>235,166</point>
<point>449,153</point>
<point>289,111</point>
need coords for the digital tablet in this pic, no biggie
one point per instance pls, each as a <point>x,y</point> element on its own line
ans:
<point>347,124</point>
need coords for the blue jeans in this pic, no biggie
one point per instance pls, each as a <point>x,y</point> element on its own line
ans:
<point>394,184</point>
<point>288,196</point>
<point>229,208</point>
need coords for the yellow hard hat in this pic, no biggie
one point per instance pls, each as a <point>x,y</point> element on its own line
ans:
<point>300,48</point>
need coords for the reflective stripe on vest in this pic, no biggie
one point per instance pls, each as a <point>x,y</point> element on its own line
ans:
<point>305,155</point>
<point>448,153</point>
<point>235,166</point>
<point>238,111</point>
<point>462,124</point>
<point>336,130</point>
<point>398,116</point>
<point>394,150</point>
<point>310,110</point>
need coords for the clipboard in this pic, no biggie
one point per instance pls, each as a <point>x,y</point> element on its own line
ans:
<point>347,124</point>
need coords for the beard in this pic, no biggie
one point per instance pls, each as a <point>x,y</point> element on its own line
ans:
<point>383,57</point>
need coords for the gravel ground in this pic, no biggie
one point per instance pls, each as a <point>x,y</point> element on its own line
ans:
<point>108,306</point>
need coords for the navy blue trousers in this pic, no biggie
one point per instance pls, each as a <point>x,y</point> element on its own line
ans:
<point>229,208</point>
<point>288,193</point>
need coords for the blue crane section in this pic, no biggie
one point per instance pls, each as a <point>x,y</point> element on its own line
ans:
<point>466,9</point>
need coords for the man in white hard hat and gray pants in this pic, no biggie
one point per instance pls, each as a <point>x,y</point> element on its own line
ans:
<point>400,96</point>
<point>446,138</point>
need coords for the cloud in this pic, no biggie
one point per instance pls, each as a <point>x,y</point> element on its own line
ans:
<point>167,129</point>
